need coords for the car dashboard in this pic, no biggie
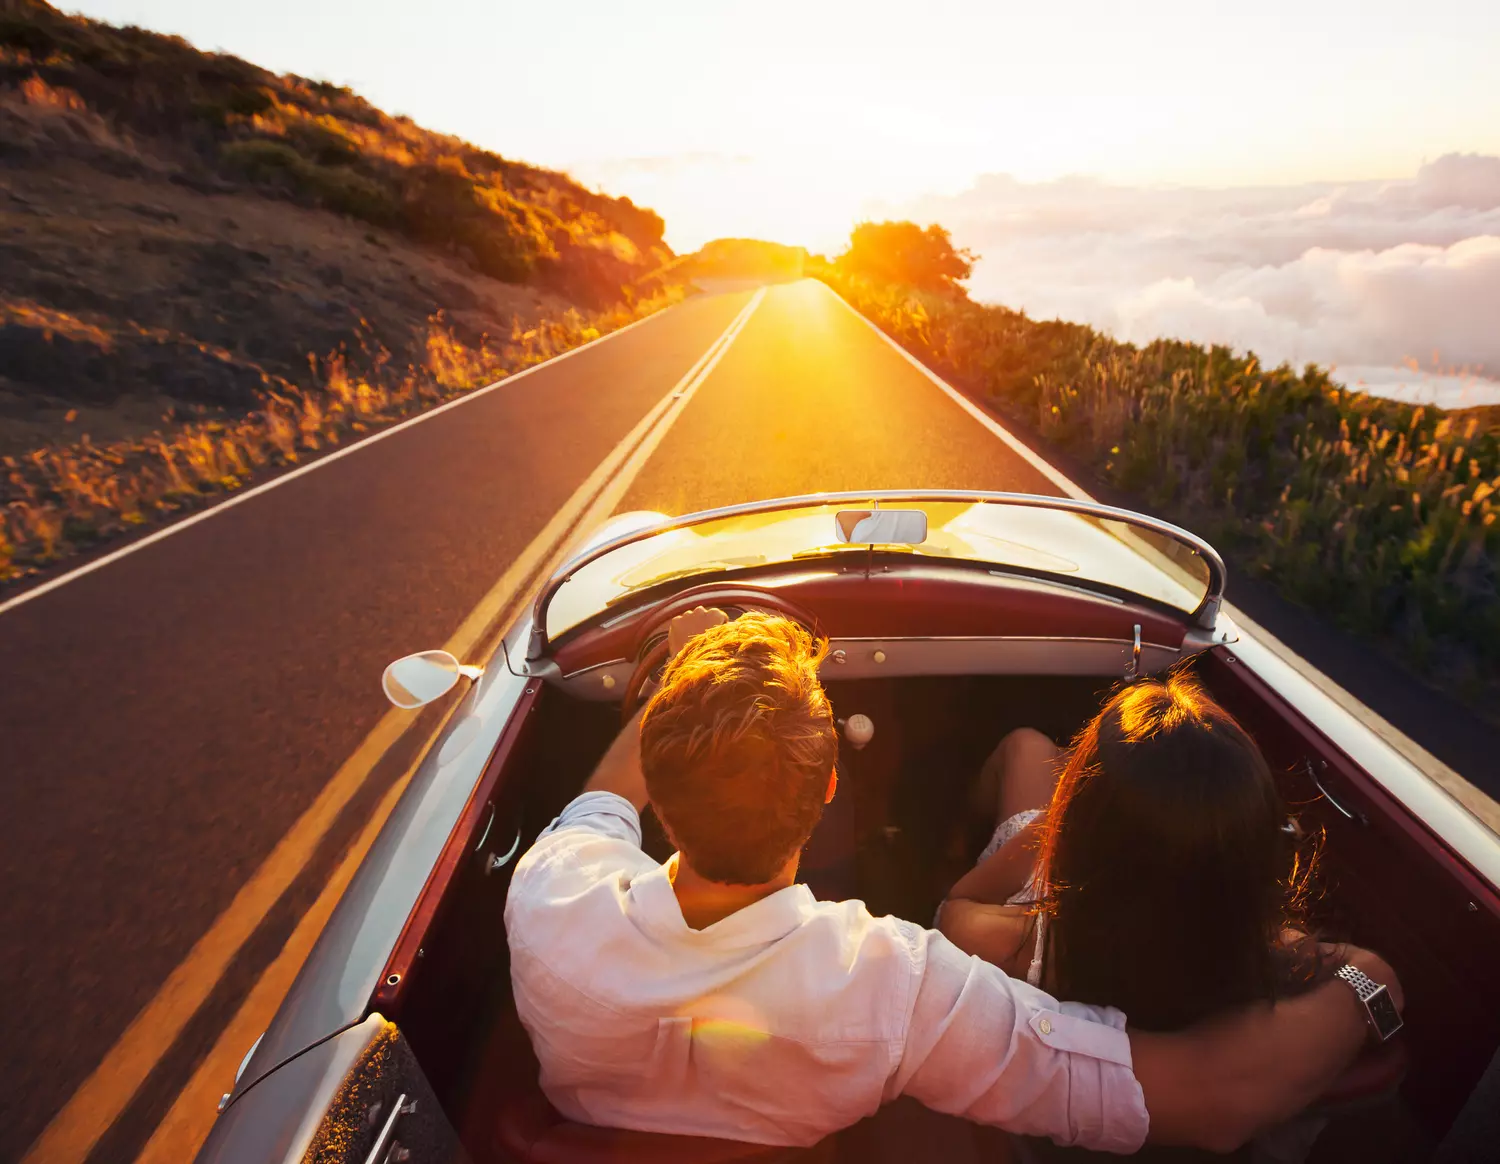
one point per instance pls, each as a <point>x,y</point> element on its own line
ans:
<point>901,622</point>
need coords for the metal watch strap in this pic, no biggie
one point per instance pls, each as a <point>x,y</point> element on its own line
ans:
<point>1365,987</point>
<point>1375,998</point>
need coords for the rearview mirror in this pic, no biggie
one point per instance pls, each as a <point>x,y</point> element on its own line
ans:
<point>882,526</point>
<point>418,679</point>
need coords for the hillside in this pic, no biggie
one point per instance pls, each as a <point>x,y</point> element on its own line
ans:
<point>181,231</point>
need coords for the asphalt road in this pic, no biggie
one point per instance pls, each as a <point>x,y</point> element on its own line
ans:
<point>166,718</point>
<point>809,400</point>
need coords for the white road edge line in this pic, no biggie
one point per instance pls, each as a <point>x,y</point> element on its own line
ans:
<point>74,1130</point>
<point>234,499</point>
<point>1452,782</point>
<point>996,428</point>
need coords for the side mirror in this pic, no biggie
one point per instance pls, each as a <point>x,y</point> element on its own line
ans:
<point>882,526</point>
<point>417,680</point>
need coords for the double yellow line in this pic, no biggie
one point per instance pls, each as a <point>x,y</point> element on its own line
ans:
<point>98,1102</point>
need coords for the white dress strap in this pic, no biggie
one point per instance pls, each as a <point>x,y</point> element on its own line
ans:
<point>1034,971</point>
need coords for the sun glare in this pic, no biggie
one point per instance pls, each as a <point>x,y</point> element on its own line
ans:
<point>708,196</point>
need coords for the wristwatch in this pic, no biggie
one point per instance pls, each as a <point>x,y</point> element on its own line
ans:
<point>1380,1011</point>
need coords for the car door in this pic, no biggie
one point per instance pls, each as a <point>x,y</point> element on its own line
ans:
<point>359,1097</point>
<point>1405,869</point>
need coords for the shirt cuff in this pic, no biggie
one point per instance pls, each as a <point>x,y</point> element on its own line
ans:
<point>1108,1112</point>
<point>606,813</point>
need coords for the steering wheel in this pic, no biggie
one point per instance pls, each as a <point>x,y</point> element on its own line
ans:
<point>732,600</point>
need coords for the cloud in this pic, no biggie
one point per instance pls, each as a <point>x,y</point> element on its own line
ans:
<point>1396,284</point>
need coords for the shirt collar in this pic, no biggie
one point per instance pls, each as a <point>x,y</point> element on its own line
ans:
<point>651,903</point>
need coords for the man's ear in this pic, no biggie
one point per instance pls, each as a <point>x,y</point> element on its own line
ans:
<point>833,784</point>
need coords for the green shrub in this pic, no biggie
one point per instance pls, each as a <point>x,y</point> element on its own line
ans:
<point>497,234</point>
<point>337,188</point>
<point>324,142</point>
<point>262,158</point>
<point>346,191</point>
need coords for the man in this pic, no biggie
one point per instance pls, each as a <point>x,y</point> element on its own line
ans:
<point>714,996</point>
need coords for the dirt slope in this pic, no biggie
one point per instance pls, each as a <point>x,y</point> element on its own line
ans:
<point>179,231</point>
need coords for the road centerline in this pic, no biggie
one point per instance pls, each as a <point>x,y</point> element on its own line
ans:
<point>93,1107</point>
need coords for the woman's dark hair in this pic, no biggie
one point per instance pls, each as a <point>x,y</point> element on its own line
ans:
<point>1168,876</point>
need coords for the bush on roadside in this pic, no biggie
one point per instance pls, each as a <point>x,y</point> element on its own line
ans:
<point>904,253</point>
<point>333,187</point>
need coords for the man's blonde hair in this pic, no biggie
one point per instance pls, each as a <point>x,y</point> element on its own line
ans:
<point>738,745</point>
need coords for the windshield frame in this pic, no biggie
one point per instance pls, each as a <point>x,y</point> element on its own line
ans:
<point>1205,615</point>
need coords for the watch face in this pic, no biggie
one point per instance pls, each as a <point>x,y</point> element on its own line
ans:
<point>1383,1012</point>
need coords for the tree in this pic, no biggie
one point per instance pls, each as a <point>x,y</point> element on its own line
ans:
<point>902,252</point>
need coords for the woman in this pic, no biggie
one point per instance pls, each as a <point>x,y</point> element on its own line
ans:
<point>1146,869</point>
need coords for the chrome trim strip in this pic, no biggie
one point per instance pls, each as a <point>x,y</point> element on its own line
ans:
<point>932,654</point>
<point>592,667</point>
<point>1203,615</point>
<point>245,1062</point>
<point>1312,774</point>
<point>499,862</point>
<point>855,658</point>
<point>1032,578</point>
<point>488,825</point>
<point>382,1141</point>
<point>993,639</point>
<point>601,683</point>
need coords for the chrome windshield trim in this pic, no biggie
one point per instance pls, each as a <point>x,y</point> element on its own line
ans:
<point>995,639</point>
<point>1073,586</point>
<point>1202,616</point>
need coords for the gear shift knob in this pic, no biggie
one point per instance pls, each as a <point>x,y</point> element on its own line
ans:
<point>859,730</point>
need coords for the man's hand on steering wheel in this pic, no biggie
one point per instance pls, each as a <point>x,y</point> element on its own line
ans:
<point>690,623</point>
<point>654,653</point>
<point>679,631</point>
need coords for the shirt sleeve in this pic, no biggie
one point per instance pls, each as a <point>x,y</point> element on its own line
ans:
<point>986,1047</point>
<point>604,813</point>
<point>595,838</point>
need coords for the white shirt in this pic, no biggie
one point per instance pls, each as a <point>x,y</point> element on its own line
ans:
<point>787,1020</point>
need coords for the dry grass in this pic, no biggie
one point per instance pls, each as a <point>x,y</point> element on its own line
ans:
<point>35,91</point>
<point>62,499</point>
<point>1383,517</point>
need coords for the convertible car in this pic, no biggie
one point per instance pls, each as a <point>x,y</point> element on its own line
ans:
<point>952,618</point>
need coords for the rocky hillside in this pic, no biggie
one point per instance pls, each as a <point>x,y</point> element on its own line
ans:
<point>181,230</point>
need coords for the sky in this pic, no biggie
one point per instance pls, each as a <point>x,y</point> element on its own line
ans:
<point>781,119</point>
<point>793,120</point>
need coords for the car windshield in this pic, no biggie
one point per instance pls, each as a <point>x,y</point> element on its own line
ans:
<point>1033,539</point>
